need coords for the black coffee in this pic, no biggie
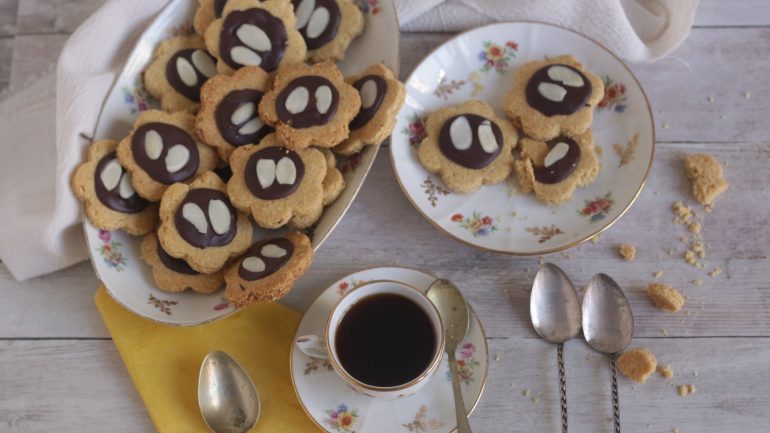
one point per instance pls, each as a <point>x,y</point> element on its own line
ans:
<point>385,340</point>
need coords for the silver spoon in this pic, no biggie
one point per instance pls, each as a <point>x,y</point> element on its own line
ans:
<point>555,311</point>
<point>227,397</point>
<point>608,326</point>
<point>453,310</point>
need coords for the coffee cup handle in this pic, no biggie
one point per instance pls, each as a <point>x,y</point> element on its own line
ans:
<point>312,346</point>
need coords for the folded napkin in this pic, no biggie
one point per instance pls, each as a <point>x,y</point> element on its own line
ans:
<point>46,125</point>
<point>163,362</point>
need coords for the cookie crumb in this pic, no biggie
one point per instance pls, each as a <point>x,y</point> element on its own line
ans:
<point>665,297</point>
<point>694,227</point>
<point>675,430</point>
<point>717,270</point>
<point>595,239</point>
<point>664,332</point>
<point>706,176</point>
<point>665,371</point>
<point>590,357</point>
<point>747,95</point>
<point>513,385</point>
<point>599,150</point>
<point>666,126</point>
<point>685,389</point>
<point>627,251</point>
<point>723,117</point>
<point>637,364</point>
<point>497,358</point>
<point>711,98</point>
<point>657,274</point>
<point>683,213</point>
<point>697,282</point>
<point>536,399</point>
<point>526,392</point>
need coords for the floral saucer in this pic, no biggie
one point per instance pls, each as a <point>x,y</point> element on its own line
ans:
<point>479,64</point>
<point>336,408</point>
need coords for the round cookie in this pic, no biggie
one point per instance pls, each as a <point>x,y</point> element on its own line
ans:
<point>178,70</point>
<point>254,33</point>
<point>553,97</point>
<point>199,224</point>
<point>333,183</point>
<point>175,275</point>
<point>468,146</point>
<point>382,96</point>
<point>109,198</point>
<point>229,116</point>
<point>310,105</point>
<point>163,149</point>
<point>207,12</point>
<point>553,169</point>
<point>278,185</point>
<point>328,27</point>
<point>268,270</point>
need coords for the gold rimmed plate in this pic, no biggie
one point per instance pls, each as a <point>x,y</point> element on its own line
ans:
<point>479,64</point>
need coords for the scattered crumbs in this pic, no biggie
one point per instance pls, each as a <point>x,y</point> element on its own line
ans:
<point>528,270</point>
<point>657,274</point>
<point>497,358</point>
<point>747,95</point>
<point>666,126</point>
<point>694,227</point>
<point>717,270</point>
<point>711,98</point>
<point>671,252</point>
<point>599,150</point>
<point>675,430</point>
<point>657,192</point>
<point>664,332</point>
<point>513,385</point>
<point>595,239</point>
<point>659,256</point>
<point>685,389</point>
<point>627,251</point>
<point>648,425</point>
<point>535,399</point>
<point>683,213</point>
<point>590,357</point>
<point>665,371</point>
<point>514,214</point>
<point>665,297</point>
<point>688,313</point>
<point>526,392</point>
<point>541,260</point>
<point>723,117</point>
<point>706,177</point>
<point>637,364</point>
<point>695,373</point>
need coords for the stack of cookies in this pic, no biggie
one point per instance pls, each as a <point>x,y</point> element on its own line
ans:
<point>550,107</point>
<point>247,136</point>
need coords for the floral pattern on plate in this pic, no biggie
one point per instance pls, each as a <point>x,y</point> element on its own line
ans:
<point>110,251</point>
<point>135,97</point>
<point>341,418</point>
<point>422,422</point>
<point>496,57</point>
<point>433,190</point>
<point>415,130</point>
<point>615,98</point>
<point>476,224</point>
<point>598,208</point>
<point>466,363</point>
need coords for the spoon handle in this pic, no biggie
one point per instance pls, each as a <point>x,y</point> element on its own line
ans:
<point>462,415</point>
<point>562,386</point>
<point>615,398</point>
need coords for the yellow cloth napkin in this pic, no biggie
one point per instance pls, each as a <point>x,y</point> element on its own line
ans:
<point>164,361</point>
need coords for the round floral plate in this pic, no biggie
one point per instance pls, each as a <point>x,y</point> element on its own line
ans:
<point>479,64</point>
<point>115,255</point>
<point>336,408</point>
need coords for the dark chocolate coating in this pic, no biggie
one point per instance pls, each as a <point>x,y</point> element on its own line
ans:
<point>172,75</point>
<point>171,136</point>
<point>271,25</point>
<point>177,265</point>
<point>271,264</point>
<point>219,6</point>
<point>112,199</point>
<point>225,110</point>
<point>202,197</point>
<point>311,116</point>
<point>276,190</point>
<point>561,169</point>
<point>326,36</point>
<point>366,114</point>
<point>473,157</point>
<point>574,100</point>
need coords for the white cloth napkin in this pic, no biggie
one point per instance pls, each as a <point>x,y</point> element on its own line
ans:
<point>46,124</point>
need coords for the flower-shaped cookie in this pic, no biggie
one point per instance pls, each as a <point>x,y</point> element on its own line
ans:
<point>229,115</point>
<point>468,146</point>
<point>254,33</point>
<point>382,96</point>
<point>180,67</point>
<point>553,97</point>
<point>278,185</point>
<point>105,189</point>
<point>176,275</point>
<point>328,27</point>
<point>207,12</point>
<point>333,183</point>
<point>163,149</point>
<point>268,270</point>
<point>310,105</point>
<point>199,224</point>
<point>553,169</point>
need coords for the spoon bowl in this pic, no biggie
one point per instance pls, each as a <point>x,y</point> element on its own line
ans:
<point>554,305</point>
<point>608,323</point>
<point>227,397</point>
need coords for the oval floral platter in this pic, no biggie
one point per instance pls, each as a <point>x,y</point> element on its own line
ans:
<point>336,408</point>
<point>115,255</point>
<point>479,64</point>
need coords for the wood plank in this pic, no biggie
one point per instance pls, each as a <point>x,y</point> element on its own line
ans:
<point>34,55</point>
<point>54,16</point>
<point>6,56</point>
<point>8,10</point>
<point>50,383</point>
<point>733,13</point>
<point>382,228</point>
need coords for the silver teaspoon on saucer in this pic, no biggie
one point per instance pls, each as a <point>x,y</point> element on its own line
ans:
<point>454,314</point>
<point>227,397</point>
<point>555,312</point>
<point>608,326</point>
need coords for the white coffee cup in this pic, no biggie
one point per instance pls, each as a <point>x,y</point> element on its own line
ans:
<point>325,347</point>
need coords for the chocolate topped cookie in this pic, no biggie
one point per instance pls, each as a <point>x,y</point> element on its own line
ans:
<point>229,114</point>
<point>382,96</point>
<point>176,275</point>
<point>310,105</point>
<point>553,97</point>
<point>201,226</point>
<point>178,70</point>
<point>254,33</point>
<point>468,146</point>
<point>207,12</point>
<point>108,195</point>
<point>328,27</point>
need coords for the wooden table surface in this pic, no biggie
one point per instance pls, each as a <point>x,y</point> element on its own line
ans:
<point>59,371</point>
